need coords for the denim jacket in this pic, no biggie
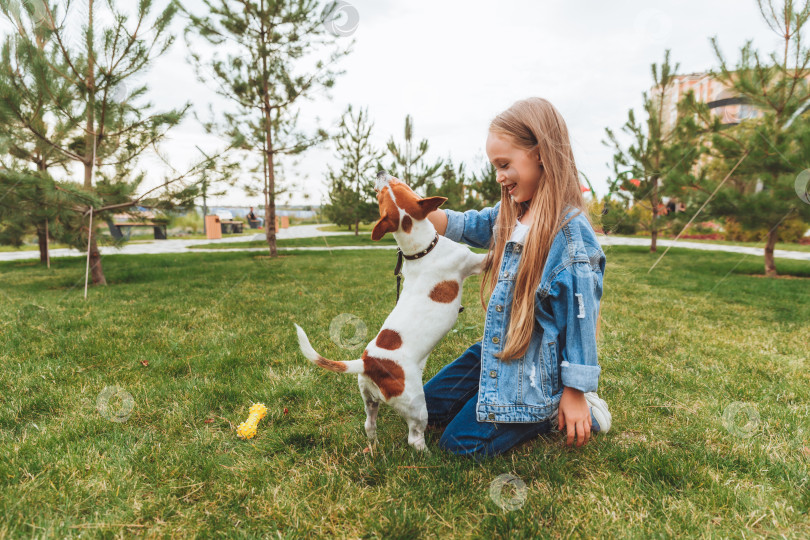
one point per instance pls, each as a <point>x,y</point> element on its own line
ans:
<point>562,349</point>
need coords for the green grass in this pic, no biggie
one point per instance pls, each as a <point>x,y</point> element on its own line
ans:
<point>364,238</point>
<point>363,227</point>
<point>315,241</point>
<point>787,246</point>
<point>196,338</point>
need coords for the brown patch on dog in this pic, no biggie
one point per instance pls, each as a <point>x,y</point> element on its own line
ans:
<point>386,374</point>
<point>444,291</point>
<point>389,339</point>
<point>409,201</point>
<point>330,365</point>
<point>389,215</point>
<point>407,223</point>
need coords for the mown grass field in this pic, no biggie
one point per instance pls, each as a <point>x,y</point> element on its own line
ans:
<point>363,239</point>
<point>194,339</point>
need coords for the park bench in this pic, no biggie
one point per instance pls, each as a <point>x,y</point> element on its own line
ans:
<point>123,230</point>
<point>231,227</point>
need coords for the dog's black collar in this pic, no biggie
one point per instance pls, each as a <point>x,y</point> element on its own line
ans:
<point>424,252</point>
<point>418,255</point>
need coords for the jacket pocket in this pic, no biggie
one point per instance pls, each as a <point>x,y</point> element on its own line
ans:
<point>534,385</point>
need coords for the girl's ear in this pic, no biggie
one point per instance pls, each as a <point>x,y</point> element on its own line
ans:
<point>428,205</point>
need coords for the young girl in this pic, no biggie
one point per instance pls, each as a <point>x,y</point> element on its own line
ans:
<point>536,366</point>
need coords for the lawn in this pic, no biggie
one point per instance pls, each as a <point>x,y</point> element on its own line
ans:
<point>705,368</point>
<point>313,241</point>
<point>787,246</point>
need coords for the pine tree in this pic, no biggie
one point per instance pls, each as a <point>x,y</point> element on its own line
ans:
<point>484,187</point>
<point>656,154</point>
<point>409,163</point>
<point>21,150</point>
<point>265,40</point>
<point>34,197</point>
<point>88,79</point>
<point>352,197</point>
<point>770,148</point>
<point>454,185</point>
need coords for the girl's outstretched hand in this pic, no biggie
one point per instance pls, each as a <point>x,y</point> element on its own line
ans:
<point>574,414</point>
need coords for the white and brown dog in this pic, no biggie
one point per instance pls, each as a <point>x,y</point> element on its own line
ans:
<point>435,268</point>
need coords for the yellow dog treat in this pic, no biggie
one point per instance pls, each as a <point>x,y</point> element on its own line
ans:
<point>247,429</point>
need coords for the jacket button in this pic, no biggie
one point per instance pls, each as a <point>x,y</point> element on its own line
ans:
<point>495,340</point>
<point>517,248</point>
<point>493,374</point>
<point>499,308</point>
<point>506,274</point>
<point>491,416</point>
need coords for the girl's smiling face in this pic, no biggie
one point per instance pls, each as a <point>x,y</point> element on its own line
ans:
<point>516,169</point>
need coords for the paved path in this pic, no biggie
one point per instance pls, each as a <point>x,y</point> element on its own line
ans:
<point>308,231</point>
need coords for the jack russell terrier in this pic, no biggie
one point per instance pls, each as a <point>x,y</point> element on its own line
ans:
<point>390,368</point>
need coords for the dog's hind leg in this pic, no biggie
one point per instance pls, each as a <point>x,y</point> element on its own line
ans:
<point>372,405</point>
<point>415,413</point>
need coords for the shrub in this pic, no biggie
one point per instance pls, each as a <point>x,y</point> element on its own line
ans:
<point>619,220</point>
<point>190,223</point>
<point>791,230</point>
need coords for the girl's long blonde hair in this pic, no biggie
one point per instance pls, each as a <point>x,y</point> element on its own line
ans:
<point>535,125</point>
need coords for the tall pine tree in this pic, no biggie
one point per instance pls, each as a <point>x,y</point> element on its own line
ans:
<point>656,153</point>
<point>410,164</point>
<point>351,195</point>
<point>773,143</point>
<point>88,79</point>
<point>265,74</point>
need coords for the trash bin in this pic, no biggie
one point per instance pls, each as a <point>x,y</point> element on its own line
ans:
<point>213,228</point>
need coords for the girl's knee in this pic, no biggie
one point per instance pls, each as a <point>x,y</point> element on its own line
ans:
<point>468,447</point>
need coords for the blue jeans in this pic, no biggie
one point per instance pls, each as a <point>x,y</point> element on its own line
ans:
<point>451,397</point>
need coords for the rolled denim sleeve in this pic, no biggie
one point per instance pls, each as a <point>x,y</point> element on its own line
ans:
<point>473,227</point>
<point>574,297</point>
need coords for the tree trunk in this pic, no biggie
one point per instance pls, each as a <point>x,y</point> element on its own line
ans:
<point>357,227</point>
<point>90,149</point>
<point>770,266</point>
<point>270,198</point>
<point>42,238</point>
<point>95,262</point>
<point>654,224</point>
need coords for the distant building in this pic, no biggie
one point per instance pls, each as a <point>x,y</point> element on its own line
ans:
<point>722,101</point>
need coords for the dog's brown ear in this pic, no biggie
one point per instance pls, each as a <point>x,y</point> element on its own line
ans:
<point>383,226</point>
<point>428,205</point>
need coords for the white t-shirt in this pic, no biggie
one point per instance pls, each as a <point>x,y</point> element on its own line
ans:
<point>519,234</point>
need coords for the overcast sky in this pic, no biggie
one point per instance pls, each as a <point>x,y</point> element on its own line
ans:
<point>453,65</point>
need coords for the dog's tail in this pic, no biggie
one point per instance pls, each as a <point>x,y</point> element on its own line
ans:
<point>350,366</point>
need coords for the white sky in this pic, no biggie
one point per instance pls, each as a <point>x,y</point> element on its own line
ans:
<point>453,65</point>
